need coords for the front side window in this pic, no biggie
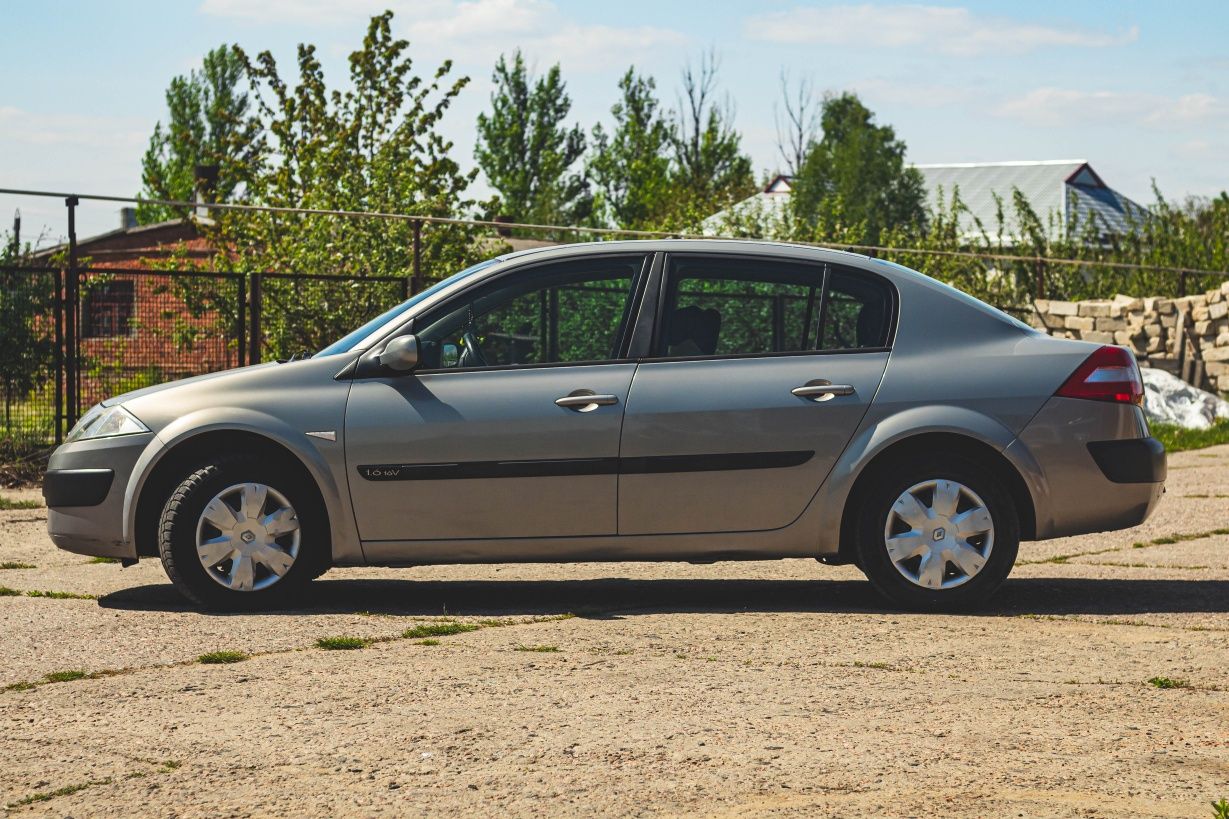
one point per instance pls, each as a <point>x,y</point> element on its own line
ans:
<point>560,314</point>
<point>733,307</point>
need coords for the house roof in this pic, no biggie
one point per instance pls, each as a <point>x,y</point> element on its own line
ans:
<point>1067,188</point>
<point>132,243</point>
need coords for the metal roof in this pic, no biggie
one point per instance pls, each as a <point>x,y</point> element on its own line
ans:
<point>1059,191</point>
<point>1067,189</point>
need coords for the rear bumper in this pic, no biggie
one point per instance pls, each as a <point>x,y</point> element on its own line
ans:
<point>1099,469</point>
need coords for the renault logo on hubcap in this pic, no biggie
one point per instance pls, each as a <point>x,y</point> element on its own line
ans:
<point>248,537</point>
<point>939,534</point>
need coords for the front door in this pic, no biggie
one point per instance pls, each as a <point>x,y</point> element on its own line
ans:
<point>761,373</point>
<point>495,436</point>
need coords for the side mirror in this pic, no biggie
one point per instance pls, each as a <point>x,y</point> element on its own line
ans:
<point>401,354</point>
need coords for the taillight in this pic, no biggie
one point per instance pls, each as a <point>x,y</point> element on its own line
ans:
<point>1109,374</point>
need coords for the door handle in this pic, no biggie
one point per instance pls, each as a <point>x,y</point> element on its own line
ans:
<point>822,392</point>
<point>585,401</point>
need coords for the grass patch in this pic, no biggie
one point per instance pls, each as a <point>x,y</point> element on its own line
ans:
<point>61,595</point>
<point>19,686</point>
<point>14,565</point>
<point>1220,809</point>
<point>428,642</point>
<point>342,643</point>
<point>1167,683</point>
<point>539,649</point>
<point>222,657</point>
<point>7,504</point>
<point>65,676</point>
<point>879,665</point>
<point>103,560</point>
<point>5,591</point>
<point>438,630</point>
<point>1178,439</point>
<point>64,791</point>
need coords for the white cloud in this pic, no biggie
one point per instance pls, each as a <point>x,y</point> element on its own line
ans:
<point>951,31</point>
<point>299,12</point>
<point>472,29</point>
<point>1055,106</point>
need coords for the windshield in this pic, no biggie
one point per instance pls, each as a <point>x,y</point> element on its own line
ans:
<point>349,341</point>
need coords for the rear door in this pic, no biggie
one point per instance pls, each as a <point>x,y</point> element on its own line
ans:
<point>761,371</point>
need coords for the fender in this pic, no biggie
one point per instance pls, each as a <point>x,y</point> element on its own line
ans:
<point>880,430</point>
<point>345,544</point>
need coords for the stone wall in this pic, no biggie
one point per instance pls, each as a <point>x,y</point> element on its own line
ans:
<point>1148,326</point>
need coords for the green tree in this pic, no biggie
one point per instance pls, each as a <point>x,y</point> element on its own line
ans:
<point>631,166</point>
<point>854,182</point>
<point>527,151</point>
<point>711,169</point>
<point>374,146</point>
<point>209,123</point>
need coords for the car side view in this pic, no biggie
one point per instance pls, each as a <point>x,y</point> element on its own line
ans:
<point>663,400</point>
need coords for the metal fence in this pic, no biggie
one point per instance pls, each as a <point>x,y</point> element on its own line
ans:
<point>75,337</point>
<point>80,330</point>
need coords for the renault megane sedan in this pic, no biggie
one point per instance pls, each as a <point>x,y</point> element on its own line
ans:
<point>694,400</point>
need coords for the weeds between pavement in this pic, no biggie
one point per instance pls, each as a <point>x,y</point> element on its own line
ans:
<point>1166,683</point>
<point>1156,541</point>
<point>68,790</point>
<point>5,591</point>
<point>326,643</point>
<point>13,565</point>
<point>343,643</point>
<point>222,657</point>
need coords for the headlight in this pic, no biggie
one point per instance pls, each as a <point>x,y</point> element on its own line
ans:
<point>105,422</point>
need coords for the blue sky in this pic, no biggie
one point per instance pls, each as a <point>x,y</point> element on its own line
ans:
<point>1140,89</point>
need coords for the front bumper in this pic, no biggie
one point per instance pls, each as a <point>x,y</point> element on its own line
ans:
<point>1099,469</point>
<point>85,488</point>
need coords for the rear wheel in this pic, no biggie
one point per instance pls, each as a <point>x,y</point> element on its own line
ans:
<point>937,533</point>
<point>242,533</point>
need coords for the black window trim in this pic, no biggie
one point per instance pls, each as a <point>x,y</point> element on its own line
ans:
<point>827,268</point>
<point>628,322</point>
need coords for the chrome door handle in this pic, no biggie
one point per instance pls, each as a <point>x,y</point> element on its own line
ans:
<point>586,401</point>
<point>821,390</point>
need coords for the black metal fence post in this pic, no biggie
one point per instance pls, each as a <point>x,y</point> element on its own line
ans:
<point>71,301</point>
<point>254,337</point>
<point>240,318</point>
<point>416,281</point>
<point>59,357</point>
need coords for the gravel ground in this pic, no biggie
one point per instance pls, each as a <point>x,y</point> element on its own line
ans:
<point>736,689</point>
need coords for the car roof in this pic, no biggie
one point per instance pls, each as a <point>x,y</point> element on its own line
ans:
<point>752,246</point>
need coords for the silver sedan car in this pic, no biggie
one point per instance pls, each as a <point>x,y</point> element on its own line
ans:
<point>663,400</point>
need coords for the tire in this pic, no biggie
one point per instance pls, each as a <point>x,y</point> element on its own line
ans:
<point>281,546</point>
<point>935,535</point>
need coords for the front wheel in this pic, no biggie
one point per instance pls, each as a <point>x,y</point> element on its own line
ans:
<point>937,533</point>
<point>241,533</point>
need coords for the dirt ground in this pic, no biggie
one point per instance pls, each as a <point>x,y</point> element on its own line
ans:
<point>737,689</point>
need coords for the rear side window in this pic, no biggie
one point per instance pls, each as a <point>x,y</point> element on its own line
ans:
<point>733,307</point>
<point>857,312</point>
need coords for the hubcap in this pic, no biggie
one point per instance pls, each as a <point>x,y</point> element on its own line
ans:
<point>939,534</point>
<point>247,537</point>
